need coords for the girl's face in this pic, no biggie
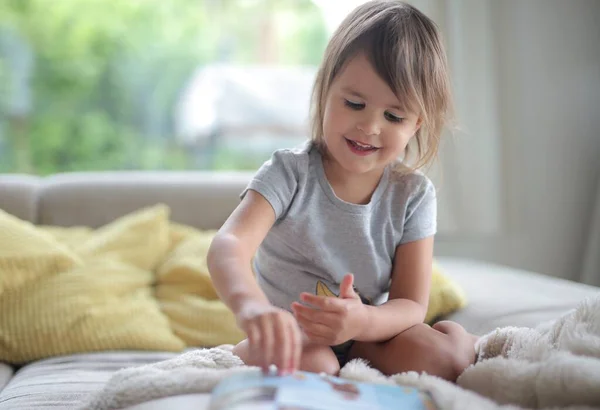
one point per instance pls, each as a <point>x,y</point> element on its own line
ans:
<point>364,128</point>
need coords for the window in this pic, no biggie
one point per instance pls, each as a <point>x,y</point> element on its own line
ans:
<point>148,84</point>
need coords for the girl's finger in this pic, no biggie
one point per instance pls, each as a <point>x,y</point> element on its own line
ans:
<point>319,330</point>
<point>302,321</point>
<point>266,344</point>
<point>281,346</point>
<point>327,303</point>
<point>315,315</point>
<point>296,343</point>
<point>253,333</point>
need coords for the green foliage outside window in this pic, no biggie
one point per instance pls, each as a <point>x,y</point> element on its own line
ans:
<point>106,74</point>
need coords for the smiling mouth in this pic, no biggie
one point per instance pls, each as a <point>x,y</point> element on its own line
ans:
<point>360,146</point>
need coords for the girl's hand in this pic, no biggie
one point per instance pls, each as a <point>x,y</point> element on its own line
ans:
<point>330,320</point>
<point>273,337</point>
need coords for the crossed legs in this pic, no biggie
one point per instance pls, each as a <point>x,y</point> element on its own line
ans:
<point>444,349</point>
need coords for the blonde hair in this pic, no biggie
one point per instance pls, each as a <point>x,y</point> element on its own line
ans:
<point>406,50</point>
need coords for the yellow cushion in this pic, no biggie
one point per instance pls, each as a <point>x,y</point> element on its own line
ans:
<point>69,237</point>
<point>140,239</point>
<point>88,296</point>
<point>27,254</point>
<point>445,296</point>
<point>186,295</point>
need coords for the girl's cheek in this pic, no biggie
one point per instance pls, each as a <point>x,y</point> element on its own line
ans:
<point>344,116</point>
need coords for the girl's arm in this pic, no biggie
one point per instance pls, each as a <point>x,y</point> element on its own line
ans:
<point>273,334</point>
<point>231,251</point>
<point>409,293</point>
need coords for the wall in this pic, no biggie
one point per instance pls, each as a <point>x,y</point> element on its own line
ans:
<point>548,70</point>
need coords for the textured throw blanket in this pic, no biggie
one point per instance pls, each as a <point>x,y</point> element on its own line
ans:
<point>553,366</point>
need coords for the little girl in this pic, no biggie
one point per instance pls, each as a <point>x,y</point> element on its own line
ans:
<point>325,231</point>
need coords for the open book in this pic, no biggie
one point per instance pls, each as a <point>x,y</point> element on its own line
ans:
<point>310,391</point>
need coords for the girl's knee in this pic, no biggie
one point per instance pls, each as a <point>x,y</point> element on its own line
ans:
<point>451,360</point>
<point>460,347</point>
<point>319,359</point>
<point>241,351</point>
<point>448,327</point>
<point>453,350</point>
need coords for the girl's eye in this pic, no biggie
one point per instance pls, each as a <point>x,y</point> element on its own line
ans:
<point>392,118</point>
<point>354,105</point>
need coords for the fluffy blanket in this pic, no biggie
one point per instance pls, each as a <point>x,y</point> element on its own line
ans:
<point>553,366</point>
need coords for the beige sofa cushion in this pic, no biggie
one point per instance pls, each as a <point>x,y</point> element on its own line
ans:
<point>501,296</point>
<point>6,373</point>
<point>18,195</point>
<point>95,199</point>
<point>65,382</point>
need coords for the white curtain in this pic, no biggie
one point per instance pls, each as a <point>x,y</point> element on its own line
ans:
<point>468,175</point>
<point>590,273</point>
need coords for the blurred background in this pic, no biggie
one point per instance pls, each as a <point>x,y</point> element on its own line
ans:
<point>89,85</point>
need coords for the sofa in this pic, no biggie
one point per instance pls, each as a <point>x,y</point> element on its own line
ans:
<point>497,295</point>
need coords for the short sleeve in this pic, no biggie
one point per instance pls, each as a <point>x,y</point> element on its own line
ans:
<point>277,181</point>
<point>420,220</point>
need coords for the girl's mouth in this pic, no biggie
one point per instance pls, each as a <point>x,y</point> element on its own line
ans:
<point>359,148</point>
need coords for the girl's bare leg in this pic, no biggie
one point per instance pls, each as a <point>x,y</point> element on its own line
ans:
<point>445,349</point>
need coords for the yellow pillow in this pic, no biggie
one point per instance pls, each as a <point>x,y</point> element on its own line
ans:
<point>92,296</point>
<point>71,237</point>
<point>445,296</point>
<point>27,254</point>
<point>139,239</point>
<point>187,297</point>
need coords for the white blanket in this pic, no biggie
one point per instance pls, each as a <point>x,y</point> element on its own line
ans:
<point>555,365</point>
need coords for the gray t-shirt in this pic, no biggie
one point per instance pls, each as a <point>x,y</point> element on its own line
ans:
<point>317,238</point>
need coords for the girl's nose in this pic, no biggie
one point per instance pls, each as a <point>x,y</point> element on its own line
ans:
<point>368,124</point>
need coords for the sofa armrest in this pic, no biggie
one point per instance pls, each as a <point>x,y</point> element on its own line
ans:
<point>6,373</point>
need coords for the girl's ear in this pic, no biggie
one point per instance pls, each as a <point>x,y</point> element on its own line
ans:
<point>419,122</point>
<point>417,126</point>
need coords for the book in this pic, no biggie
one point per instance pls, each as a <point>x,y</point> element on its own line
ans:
<point>310,391</point>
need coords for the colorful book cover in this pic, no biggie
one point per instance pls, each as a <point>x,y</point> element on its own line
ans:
<point>309,391</point>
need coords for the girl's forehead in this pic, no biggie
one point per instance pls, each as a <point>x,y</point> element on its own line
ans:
<point>357,66</point>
